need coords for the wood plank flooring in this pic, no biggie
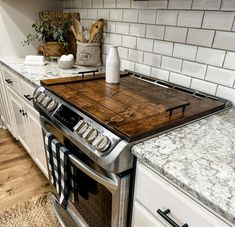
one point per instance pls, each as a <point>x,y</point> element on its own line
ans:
<point>20,178</point>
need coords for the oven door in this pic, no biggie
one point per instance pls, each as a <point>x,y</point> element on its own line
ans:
<point>102,196</point>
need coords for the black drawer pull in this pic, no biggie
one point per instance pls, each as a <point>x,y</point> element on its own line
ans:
<point>28,97</point>
<point>163,214</point>
<point>21,111</point>
<point>24,113</point>
<point>8,81</point>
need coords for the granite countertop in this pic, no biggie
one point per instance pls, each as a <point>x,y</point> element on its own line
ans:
<point>36,73</point>
<point>199,158</point>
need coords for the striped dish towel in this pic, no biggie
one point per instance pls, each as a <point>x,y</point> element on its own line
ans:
<point>62,172</point>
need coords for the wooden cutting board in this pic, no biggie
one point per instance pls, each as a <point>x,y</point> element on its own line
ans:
<point>133,108</point>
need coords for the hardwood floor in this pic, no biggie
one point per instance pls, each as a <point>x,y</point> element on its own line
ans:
<point>20,178</point>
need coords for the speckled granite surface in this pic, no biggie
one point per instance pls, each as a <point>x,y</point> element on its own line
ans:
<point>36,73</point>
<point>200,159</point>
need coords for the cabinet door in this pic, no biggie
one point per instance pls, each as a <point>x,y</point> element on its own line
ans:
<point>19,118</point>
<point>36,139</point>
<point>142,218</point>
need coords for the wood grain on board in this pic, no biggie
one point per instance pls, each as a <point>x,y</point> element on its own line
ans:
<point>132,108</point>
<point>20,178</point>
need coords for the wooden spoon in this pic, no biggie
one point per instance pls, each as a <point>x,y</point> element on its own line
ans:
<point>97,27</point>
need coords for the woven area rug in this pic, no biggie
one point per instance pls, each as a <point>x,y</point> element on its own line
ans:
<point>36,212</point>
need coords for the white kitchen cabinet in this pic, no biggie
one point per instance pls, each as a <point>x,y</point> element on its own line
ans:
<point>154,193</point>
<point>19,116</point>
<point>22,120</point>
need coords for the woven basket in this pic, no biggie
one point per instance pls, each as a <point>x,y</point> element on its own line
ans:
<point>58,19</point>
<point>53,49</point>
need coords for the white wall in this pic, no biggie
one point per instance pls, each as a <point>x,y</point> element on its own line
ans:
<point>188,42</point>
<point>16,18</point>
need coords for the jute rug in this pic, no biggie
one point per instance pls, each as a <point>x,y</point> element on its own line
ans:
<point>37,212</point>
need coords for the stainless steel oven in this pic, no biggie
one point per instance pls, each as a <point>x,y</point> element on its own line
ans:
<point>102,195</point>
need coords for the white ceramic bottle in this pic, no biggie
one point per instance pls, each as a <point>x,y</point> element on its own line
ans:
<point>112,74</point>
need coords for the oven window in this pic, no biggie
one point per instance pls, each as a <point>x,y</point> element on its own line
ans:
<point>94,202</point>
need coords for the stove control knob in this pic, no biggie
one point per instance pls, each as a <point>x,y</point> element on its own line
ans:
<point>104,144</point>
<point>82,127</point>
<point>46,101</point>
<point>37,94</point>
<point>86,133</point>
<point>51,105</point>
<point>92,135</point>
<point>101,143</point>
<point>41,97</point>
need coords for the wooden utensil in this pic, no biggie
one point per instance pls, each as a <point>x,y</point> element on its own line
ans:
<point>78,30</point>
<point>96,28</point>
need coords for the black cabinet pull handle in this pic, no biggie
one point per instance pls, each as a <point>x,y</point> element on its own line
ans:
<point>163,214</point>
<point>8,81</point>
<point>21,111</point>
<point>24,113</point>
<point>28,97</point>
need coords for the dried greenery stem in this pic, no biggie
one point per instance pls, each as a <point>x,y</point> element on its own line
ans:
<point>45,31</point>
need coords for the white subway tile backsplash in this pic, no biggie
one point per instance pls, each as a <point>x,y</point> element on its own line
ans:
<point>110,27</point>
<point>152,59</point>
<point>136,55</point>
<point>160,74</point>
<point>224,40</point>
<point>105,48</point>
<point>220,76</point>
<point>194,69</point>
<point>162,4</point>
<point>109,3</point>
<point>129,41</point>
<point>176,34</point>
<point>83,13</point>
<point>123,3</point>
<point>106,38</point>
<point>129,65</point>
<point>139,4</point>
<point>115,39</point>
<point>122,28</point>
<point>218,20</point>
<point>200,37</point>
<point>103,13</point>
<point>185,51</point>
<point>226,93</point>
<point>145,44</point>
<point>180,79</point>
<point>210,56</point>
<point>147,16</point>
<point>97,4</point>
<point>167,17</point>
<point>228,5</point>
<point>130,15</point>
<point>163,47</point>
<point>92,14</point>
<point>190,19</point>
<point>171,64</point>
<point>137,29</point>
<point>123,52</point>
<point>155,31</point>
<point>115,15</point>
<point>206,4</point>
<point>180,4</point>
<point>230,60</point>
<point>87,4</point>
<point>142,69</point>
<point>203,86</point>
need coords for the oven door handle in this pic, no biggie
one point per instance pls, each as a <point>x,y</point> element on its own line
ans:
<point>110,182</point>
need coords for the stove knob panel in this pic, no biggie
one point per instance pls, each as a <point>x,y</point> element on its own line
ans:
<point>104,144</point>
<point>51,105</point>
<point>41,97</point>
<point>97,140</point>
<point>87,132</point>
<point>46,101</point>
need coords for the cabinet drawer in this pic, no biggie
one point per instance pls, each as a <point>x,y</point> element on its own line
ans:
<point>12,80</point>
<point>142,218</point>
<point>154,193</point>
<point>27,90</point>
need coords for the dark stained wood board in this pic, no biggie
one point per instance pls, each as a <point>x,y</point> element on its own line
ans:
<point>133,108</point>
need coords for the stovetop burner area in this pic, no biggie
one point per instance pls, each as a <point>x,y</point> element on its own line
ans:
<point>138,106</point>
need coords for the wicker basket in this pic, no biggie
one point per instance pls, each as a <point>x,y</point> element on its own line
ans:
<point>53,49</point>
<point>58,19</point>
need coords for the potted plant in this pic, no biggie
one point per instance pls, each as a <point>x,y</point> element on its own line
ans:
<point>54,37</point>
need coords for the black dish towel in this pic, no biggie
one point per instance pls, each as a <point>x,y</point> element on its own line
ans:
<point>62,172</point>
